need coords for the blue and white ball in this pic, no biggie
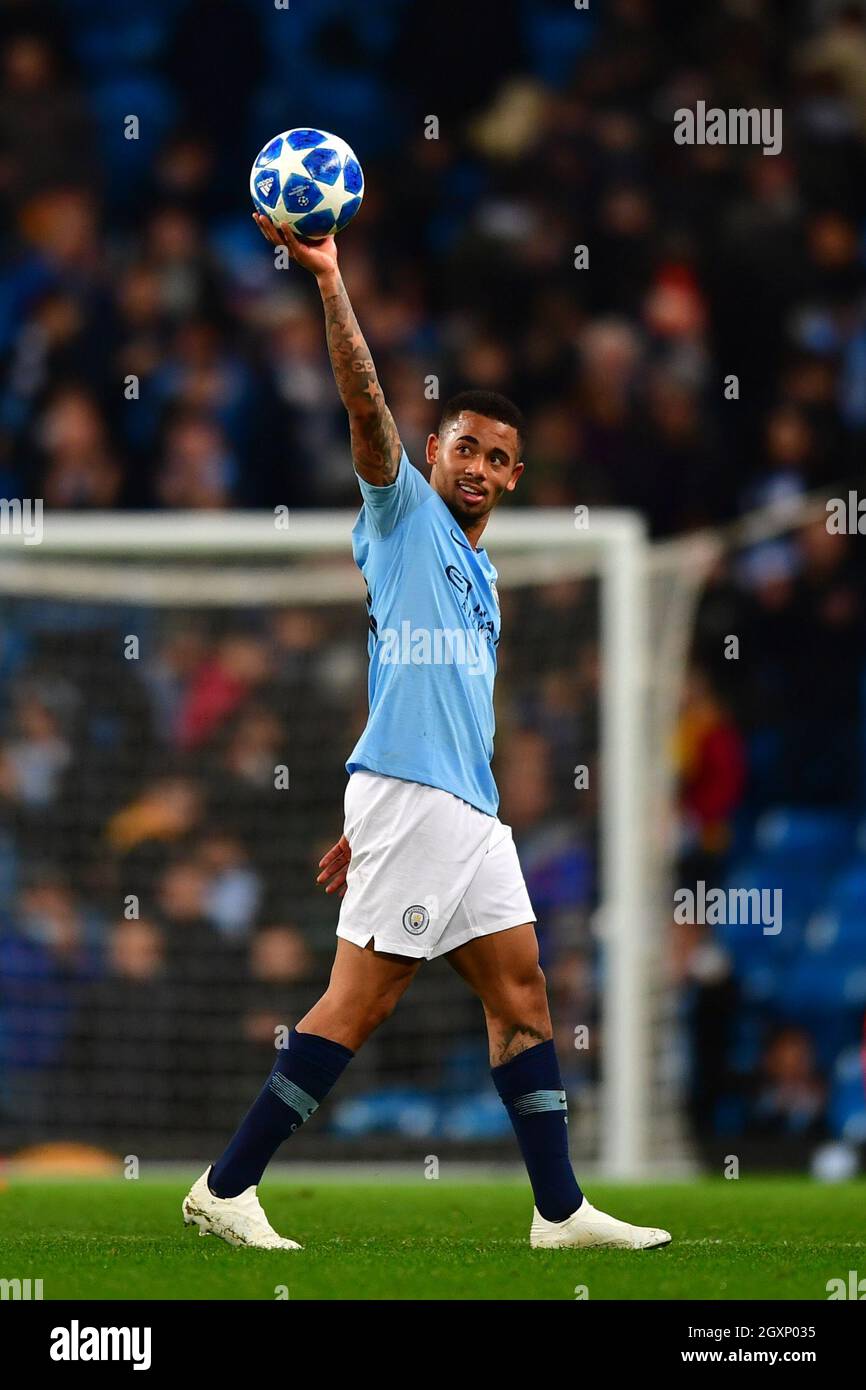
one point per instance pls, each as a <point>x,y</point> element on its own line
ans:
<point>309,181</point>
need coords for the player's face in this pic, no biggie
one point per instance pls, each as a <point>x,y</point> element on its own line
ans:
<point>474,462</point>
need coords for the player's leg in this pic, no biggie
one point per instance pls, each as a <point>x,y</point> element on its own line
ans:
<point>364,988</point>
<point>503,970</point>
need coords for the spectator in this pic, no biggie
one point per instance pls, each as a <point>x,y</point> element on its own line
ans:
<point>790,1096</point>
<point>120,1064</point>
<point>712,768</point>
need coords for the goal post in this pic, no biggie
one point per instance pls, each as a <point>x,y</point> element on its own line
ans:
<point>253,561</point>
<point>631,933</point>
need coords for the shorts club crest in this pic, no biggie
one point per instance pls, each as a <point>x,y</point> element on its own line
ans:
<point>416,920</point>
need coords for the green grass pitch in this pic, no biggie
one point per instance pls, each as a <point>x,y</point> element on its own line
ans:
<point>116,1239</point>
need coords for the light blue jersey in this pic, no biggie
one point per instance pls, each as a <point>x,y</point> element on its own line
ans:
<point>434,629</point>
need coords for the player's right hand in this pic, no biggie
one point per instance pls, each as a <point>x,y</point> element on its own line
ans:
<point>319,257</point>
<point>334,866</point>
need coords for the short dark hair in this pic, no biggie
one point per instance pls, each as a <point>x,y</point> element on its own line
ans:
<point>490,403</point>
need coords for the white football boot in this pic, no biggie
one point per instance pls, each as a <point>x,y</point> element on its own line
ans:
<point>238,1220</point>
<point>588,1227</point>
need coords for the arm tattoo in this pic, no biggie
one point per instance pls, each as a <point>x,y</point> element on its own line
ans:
<point>376,446</point>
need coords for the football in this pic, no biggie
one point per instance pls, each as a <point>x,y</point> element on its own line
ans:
<point>309,181</point>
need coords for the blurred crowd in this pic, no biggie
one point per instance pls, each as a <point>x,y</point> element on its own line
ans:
<point>137,257</point>
<point>153,357</point>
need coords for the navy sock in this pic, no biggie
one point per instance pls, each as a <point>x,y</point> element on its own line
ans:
<point>530,1087</point>
<point>302,1076</point>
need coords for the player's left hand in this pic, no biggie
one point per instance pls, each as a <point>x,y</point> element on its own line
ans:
<point>334,866</point>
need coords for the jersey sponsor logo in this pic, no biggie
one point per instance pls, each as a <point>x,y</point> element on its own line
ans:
<point>459,580</point>
<point>416,919</point>
<point>475,612</point>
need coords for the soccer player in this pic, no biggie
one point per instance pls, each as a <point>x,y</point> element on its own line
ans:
<point>424,868</point>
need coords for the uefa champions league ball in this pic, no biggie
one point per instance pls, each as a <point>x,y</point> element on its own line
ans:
<point>309,181</point>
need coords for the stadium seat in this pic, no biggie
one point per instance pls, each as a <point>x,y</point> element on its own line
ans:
<point>846,1111</point>
<point>481,1116</point>
<point>554,40</point>
<point>108,40</point>
<point>822,988</point>
<point>730,1115</point>
<point>801,895</point>
<point>763,758</point>
<point>759,981</point>
<point>847,895</point>
<point>411,1112</point>
<point>748,1028</point>
<point>814,835</point>
<point>838,936</point>
<point>129,160</point>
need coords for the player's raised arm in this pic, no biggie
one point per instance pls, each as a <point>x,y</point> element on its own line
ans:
<point>376,447</point>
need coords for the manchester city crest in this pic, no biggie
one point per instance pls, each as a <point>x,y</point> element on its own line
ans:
<point>416,919</point>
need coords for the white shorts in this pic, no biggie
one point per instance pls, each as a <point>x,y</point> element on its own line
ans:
<point>428,871</point>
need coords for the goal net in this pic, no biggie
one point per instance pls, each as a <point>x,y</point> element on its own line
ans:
<point>179,695</point>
